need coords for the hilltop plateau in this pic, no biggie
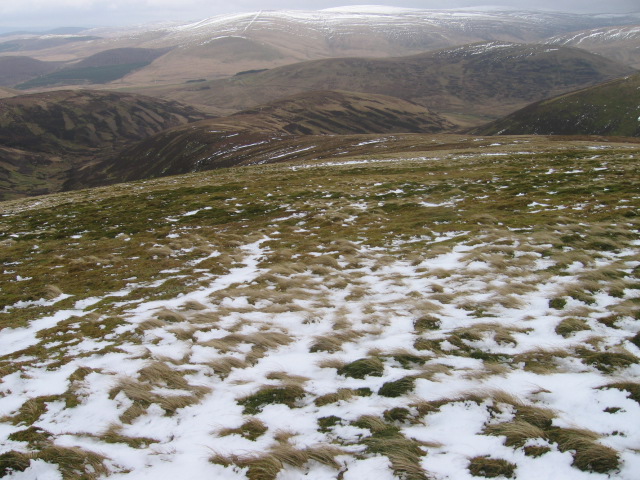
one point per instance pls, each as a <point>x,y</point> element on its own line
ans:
<point>464,312</point>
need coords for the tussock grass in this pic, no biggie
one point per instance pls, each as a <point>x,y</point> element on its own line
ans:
<point>170,316</point>
<point>74,463</point>
<point>287,395</point>
<point>607,362</point>
<point>251,429</point>
<point>540,361</point>
<point>397,388</point>
<point>362,368</point>
<point>387,439</point>
<point>588,455</point>
<point>12,461</point>
<point>491,467</point>
<point>113,435</point>
<point>267,466</point>
<point>333,342</point>
<point>571,325</point>
<point>632,388</point>
<point>34,436</point>
<point>223,366</point>
<point>517,433</point>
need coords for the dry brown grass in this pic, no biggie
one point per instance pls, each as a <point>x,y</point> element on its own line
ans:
<point>333,342</point>
<point>223,366</point>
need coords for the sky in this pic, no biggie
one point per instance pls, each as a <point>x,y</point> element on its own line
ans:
<point>27,14</point>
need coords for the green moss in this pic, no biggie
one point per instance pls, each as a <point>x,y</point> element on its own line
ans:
<point>362,368</point>
<point>397,388</point>
<point>491,467</point>
<point>325,423</point>
<point>557,303</point>
<point>409,361</point>
<point>286,395</point>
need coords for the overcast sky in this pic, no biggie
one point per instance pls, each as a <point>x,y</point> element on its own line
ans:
<point>56,13</point>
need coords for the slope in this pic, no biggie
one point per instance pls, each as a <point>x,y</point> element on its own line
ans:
<point>306,124</point>
<point>612,108</point>
<point>43,136</point>
<point>464,314</point>
<point>8,92</point>
<point>469,84</point>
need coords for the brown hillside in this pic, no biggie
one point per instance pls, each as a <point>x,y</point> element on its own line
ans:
<point>470,85</point>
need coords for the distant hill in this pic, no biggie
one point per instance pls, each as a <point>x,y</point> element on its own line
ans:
<point>8,92</point>
<point>43,42</point>
<point>43,137</point>
<point>17,69</point>
<point>612,108</point>
<point>619,43</point>
<point>469,85</point>
<point>226,44</point>
<point>221,46</point>
<point>102,67</point>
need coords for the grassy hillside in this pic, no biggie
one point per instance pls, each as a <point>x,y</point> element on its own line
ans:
<point>466,313</point>
<point>612,108</point>
<point>470,84</point>
<point>44,136</point>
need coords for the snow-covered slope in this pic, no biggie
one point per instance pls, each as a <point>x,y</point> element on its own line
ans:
<point>438,314</point>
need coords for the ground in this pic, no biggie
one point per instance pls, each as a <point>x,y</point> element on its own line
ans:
<point>463,314</point>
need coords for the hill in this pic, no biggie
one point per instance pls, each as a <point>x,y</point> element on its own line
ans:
<point>8,92</point>
<point>463,313</point>
<point>227,44</point>
<point>17,69</point>
<point>314,124</point>
<point>468,85</point>
<point>612,108</point>
<point>44,136</point>
<point>104,67</point>
<point>224,45</point>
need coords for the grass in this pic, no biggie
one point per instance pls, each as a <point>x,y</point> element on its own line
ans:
<point>252,429</point>
<point>397,388</point>
<point>387,439</point>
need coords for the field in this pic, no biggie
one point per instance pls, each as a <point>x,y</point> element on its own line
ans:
<point>461,314</point>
